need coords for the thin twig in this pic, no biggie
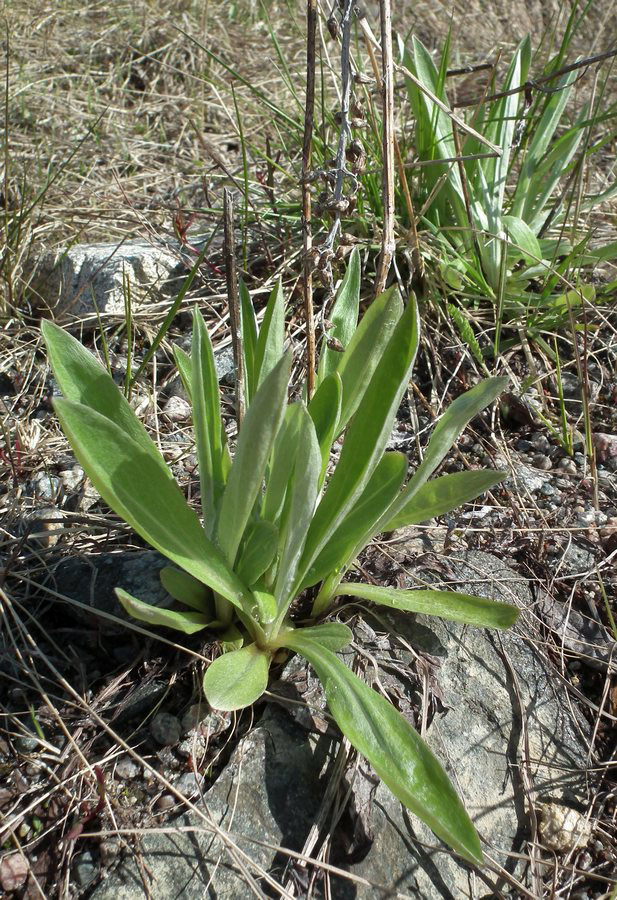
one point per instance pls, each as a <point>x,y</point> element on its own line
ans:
<point>234,304</point>
<point>309,111</point>
<point>387,92</point>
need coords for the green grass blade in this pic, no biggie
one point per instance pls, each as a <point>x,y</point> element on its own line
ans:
<point>465,608</point>
<point>255,442</point>
<point>271,340</point>
<point>325,411</point>
<point>394,749</point>
<point>248,327</point>
<point>183,365</point>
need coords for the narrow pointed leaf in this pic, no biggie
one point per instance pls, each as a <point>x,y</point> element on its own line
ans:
<point>271,340</point>
<point>394,749</point>
<point>367,435</point>
<point>344,315</point>
<point>186,589</point>
<point>258,552</point>
<point>303,496</point>
<point>249,339</point>
<point>446,432</point>
<point>384,486</point>
<point>186,622</point>
<point>325,410</point>
<point>331,635</point>
<point>207,422</point>
<point>183,364</point>
<point>466,608</point>
<point>237,679</point>
<point>442,495</point>
<point>365,350</point>
<point>281,463</point>
<point>255,442</point>
<point>145,495</point>
<point>82,379</point>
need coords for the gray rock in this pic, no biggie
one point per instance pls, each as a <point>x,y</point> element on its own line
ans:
<point>63,282</point>
<point>567,465</point>
<point>165,729</point>
<point>46,488</point>
<point>44,526</point>
<point>541,461</point>
<point>84,869</point>
<point>540,442</point>
<point>489,687</point>
<point>91,581</point>
<point>126,768</point>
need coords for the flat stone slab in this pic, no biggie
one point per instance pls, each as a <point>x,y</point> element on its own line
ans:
<point>502,728</point>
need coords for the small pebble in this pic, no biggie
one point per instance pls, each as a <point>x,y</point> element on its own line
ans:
<point>109,850</point>
<point>177,409</point>
<point>567,465</point>
<point>84,869</point>
<point>46,488</point>
<point>26,744</point>
<point>189,784</point>
<point>540,442</point>
<point>126,768</point>
<point>165,729</point>
<point>540,461</point>
<point>165,802</point>
<point>72,479</point>
<point>13,872</point>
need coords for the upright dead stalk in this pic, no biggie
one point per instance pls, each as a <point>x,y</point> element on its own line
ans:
<point>309,111</point>
<point>387,90</point>
<point>234,304</point>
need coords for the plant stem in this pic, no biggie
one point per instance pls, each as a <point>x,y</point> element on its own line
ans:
<point>234,303</point>
<point>309,112</point>
<point>387,91</point>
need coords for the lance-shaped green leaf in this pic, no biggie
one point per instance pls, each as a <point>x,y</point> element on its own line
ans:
<point>183,364</point>
<point>186,589</point>
<point>248,329</point>
<point>82,379</point>
<point>207,422</point>
<point>186,622</point>
<point>466,608</point>
<point>325,410</point>
<point>281,463</point>
<point>442,495</point>
<point>271,340</point>
<point>365,350</point>
<point>344,316</point>
<point>253,449</point>
<point>303,496</point>
<point>237,679</point>
<point>366,437</point>
<point>446,432</point>
<point>396,752</point>
<point>258,551</point>
<point>331,635</point>
<point>524,243</point>
<point>145,495</point>
<point>384,485</point>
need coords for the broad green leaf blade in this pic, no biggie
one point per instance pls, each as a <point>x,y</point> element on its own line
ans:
<point>466,608</point>
<point>396,752</point>
<point>331,635</point>
<point>325,410</point>
<point>303,496</point>
<point>207,422</point>
<point>82,379</point>
<point>525,244</point>
<point>441,496</point>
<point>231,639</point>
<point>237,679</point>
<point>271,340</point>
<point>258,551</point>
<point>344,316</point>
<point>384,485</point>
<point>183,364</point>
<point>186,589</point>
<point>248,328</point>
<point>266,607</point>
<point>146,496</point>
<point>255,442</point>
<point>459,413</point>
<point>365,349</point>
<point>186,622</point>
<point>281,463</point>
<point>366,437</point>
